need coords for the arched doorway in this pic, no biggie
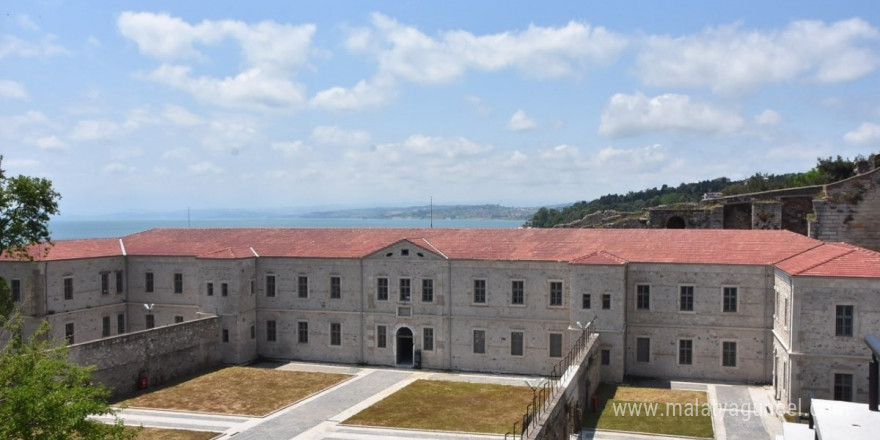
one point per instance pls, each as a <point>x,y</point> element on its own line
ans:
<point>404,346</point>
<point>675,222</point>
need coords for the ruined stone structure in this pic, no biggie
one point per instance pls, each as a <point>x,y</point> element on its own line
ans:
<point>847,211</point>
<point>683,304</point>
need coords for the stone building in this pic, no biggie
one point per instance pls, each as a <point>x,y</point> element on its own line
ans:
<point>732,305</point>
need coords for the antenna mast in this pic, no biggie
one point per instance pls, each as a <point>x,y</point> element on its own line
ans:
<point>432,212</point>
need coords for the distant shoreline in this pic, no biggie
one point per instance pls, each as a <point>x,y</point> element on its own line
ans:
<point>80,228</point>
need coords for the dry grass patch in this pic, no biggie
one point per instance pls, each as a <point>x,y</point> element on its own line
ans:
<point>173,434</point>
<point>651,410</point>
<point>238,390</point>
<point>449,406</point>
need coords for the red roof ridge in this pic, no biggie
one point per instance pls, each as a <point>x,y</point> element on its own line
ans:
<point>850,249</point>
<point>431,245</point>
<point>795,255</point>
<point>602,255</point>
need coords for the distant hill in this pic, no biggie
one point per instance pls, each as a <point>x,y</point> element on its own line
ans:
<point>827,170</point>
<point>481,212</point>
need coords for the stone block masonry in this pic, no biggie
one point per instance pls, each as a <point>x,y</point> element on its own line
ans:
<point>160,354</point>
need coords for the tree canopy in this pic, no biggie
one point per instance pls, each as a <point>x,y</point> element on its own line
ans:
<point>25,206</point>
<point>42,394</point>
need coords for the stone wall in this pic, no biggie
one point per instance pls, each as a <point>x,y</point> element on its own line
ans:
<point>160,354</point>
<point>850,212</point>
<point>567,405</point>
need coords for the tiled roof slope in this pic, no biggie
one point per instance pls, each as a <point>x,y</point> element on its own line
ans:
<point>74,249</point>
<point>643,245</point>
<point>834,259</point>
<point>793,253</point>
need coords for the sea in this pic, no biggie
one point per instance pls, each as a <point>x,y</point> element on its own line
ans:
<point>67,229</point>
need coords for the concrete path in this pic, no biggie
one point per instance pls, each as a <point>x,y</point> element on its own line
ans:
<point>178,420</point>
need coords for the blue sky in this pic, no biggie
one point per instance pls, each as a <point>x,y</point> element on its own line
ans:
<point>130,106</point>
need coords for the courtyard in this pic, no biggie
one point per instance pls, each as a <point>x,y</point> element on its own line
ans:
<point>383,403</point>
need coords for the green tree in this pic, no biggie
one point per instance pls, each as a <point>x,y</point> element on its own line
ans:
<point>42,394</point>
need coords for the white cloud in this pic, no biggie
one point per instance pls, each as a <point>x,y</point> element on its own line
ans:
<point>290,149</point>
<point>24,21</point>
<point>94,129</point>
<point>12,90</point>
<point>181,116</point>
<point>272,53</point>
<point>177,154</point>
<point>118,168</point>
<point>363,95</point>
<point>231,134</point>
<point>480,108</point>
<point>406,53</point>
<point>768,117</point>
<point>205,168</point>
<point>732,60</point>
<point>45,48</point>
<point>20,126</point>
<point>865,134</point>
<point>446,147</point>
<point>631,115</point>
<point>333,135</point>
<point>20,163</point>
<point>50,143</point>
<point>520,122</point>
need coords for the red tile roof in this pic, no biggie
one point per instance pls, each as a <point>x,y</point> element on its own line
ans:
<point>794,253</point>
<point>834,260</point>
<point>73,249</point>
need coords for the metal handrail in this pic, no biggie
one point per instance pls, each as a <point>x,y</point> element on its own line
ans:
<point>551,385</point>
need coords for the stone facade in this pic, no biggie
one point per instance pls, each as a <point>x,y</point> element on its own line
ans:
<point>849,211</point>
<point>675,309</point>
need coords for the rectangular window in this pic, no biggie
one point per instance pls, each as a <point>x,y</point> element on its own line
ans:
<point>686,298</point>
<point>105,283</point>
<point>270,286</point>
<point>606,357</point>
<point>224,289</point>
<point>585,301</point>
<point>148,282</point>
<point>302,332</point>
<point>843,321</point>
<point>428,339</point>
<point>120,285</point>
<point>381,336</point>
<point>253,332</point>
<point>382,289</point>
<point>336,334</point>
<point>405,293</point>
<point>120,323</point>
<point>479,341</point>
<point>556,345</point>
<point>68,333</point>
<point>556,293</point>
<point>643,349</point>
<point>686,352</point>
<point>150,321</point>
<point>427,290</point>
<point>729,294</point>
<point>479,291</point>
<point>178,283</point>
<point>68,288</point>
<point>843,387</point>
<point>270,331</point>
<point>335,287</point>
<point>643,297</point>
<point>606,301</point>
<point>517,292</point>
<point>728,354</point>
<point>225,335</point>
<point>516,343</point>
<point>178,319</point>
<point>15,285</point>
<point>251,284</point>
<point>210,289</point>
<point>105,326</point>
<point>302,286</point>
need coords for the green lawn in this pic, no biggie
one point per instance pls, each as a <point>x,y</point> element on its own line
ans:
<point>651,410</point>
<point>449,406</point>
